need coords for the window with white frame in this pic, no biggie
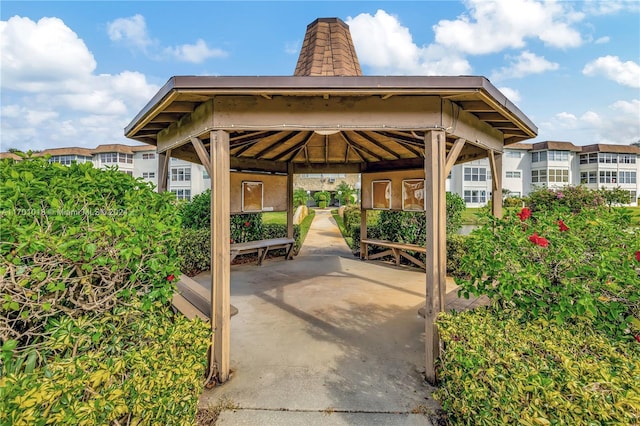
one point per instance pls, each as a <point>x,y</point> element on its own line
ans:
<point>182,194</point>
<point>538,156</point>
<point>514,174</point>
<point>149,156</point>
<point>626,177</point>
<point>125,158</point>
<point>558,156</point>
<point>608,158</point>
<point>588,177</point>
<point>558,175</point>
<point>627,159</point>
<point>515,194</point>
<point>109,157</point>
<point>205,175</point>
<point>513,154</point>
<point>62,159</point>
<point>538,176</point>
<point>181,174</point>
<point>475,196</point>
<point>475,174</point>
<point>149,175</point>
<point>589,158</point>
<point>608,176</point>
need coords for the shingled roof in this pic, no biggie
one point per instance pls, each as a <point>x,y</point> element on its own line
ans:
<point>328,50</point>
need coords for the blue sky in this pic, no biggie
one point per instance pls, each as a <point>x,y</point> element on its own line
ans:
<point>76,73</point>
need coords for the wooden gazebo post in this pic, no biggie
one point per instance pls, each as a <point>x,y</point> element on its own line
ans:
<point>220,254</point>
<point>436,262</point>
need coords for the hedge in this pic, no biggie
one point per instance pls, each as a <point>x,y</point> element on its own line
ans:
<point>496,369</point>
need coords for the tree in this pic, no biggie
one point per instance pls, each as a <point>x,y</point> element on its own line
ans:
<point>300,197</point>
<point>345,191</point>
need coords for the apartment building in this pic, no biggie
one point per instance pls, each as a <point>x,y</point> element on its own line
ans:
<point>524,167</point>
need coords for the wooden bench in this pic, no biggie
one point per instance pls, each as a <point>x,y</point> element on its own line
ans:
<point>397,250</point>
<point>193,300</point>
<point>262,247</point>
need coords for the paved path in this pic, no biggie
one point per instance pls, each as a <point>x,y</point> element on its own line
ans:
<point>326,339</point>
<point>324,237</point>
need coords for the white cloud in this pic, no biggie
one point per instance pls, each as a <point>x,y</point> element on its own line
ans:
<point>131,31</point>
<point>51,95</point>
<point>41,56</point>
<point>525,64</point>
<point>625,73</point>
<point>603,40</point>
<point>195,53</point>
<point>491,26</point>
<point>609,7</point>
<point>511,94</point>
<point>618,125</point>
<point>386,46</point>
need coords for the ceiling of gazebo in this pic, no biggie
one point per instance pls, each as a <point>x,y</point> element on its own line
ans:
<point>339,113</point>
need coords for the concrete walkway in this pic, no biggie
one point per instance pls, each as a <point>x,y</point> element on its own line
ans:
<point>325,339</point>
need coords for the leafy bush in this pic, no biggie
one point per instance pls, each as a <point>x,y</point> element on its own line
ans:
<point>246,227</point>
<point>126,367</point>
<point>196,214</point>
<point>570,199</point>
<point>300,197</point>
<point>75,240</point>
<point>497,369</point>
<point>580,268</point>
<point>455,205</point>
<point>456,248</point>
<point>194,251</point>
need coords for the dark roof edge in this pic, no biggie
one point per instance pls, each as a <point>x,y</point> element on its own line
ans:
<point>161,94</point>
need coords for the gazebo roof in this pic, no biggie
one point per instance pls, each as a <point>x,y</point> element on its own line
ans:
<point>388,139</point>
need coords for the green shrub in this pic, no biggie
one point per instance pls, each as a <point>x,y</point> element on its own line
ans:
<point>300,197</point>
<point>455,205</point>
<point>194,251</point>
<point>570,199</point>
<point>196,214</point>
<point>499,370</point>
<point>246,227</point>
<point>456,248</point>
<point>126,367</point>
<point>579,268</point>
<point>75,239</point>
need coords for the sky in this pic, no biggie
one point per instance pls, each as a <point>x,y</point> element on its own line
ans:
<point>76,73</point>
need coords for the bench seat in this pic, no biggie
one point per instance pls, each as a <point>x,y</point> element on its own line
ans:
<point>397,250</point>
<point>262,247</point>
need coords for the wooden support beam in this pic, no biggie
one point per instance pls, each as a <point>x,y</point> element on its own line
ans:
<point>203,155</point>
<point>220,254</point>
<point>363,232</point>
<point>163,170</point>
<point>434,167</point>
<point>452,157</point>
<point>495,161</point>
<point>290,200</point>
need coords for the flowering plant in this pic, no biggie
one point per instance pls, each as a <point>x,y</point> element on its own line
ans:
<point>566,265</point>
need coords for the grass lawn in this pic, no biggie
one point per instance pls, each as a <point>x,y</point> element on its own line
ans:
<point>469,216</point>
<point>274,218</point>
<point>343,231</point>
<point>635,215</point>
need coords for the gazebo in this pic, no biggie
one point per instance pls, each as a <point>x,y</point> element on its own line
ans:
<point>328,118</point>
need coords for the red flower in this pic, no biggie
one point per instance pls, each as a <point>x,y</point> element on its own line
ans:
<point>247,224</point>
<point>524,214</point>
<point>171,277</point>
<point>638,256</point>
<point>637,336</point>
<point>562,226</point>
<point>538,240</point>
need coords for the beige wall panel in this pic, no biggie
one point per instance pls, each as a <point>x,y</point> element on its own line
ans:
<point>312,112</point>
<point>274,191</point>
<point>465,125</point>
<point>198,123</point>
<point>396,185</point>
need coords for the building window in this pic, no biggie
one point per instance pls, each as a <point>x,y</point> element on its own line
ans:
<point>513,174</point>
<point>148,175</point>
<point>607,158</point>
<point>515,194</point>
<point>627,159</point>
<point>109,157</point>
<point>589,158</point>
<point>513,154</point>
<point>558,175</point>
<point>475,174</point>
<point>627,177</point>
<point>558,156</point>
<point>125,158</point>
<point>205,175</point>
<point>538,176</point>
<point>149,156</point>
<point>538,156</point>
<point>608,176</point>
<point>62,159</point>
<point>182,194</point>
<point>588,177</point>
<point>475,196</point>
<point>129,172</point>
<point>181,174</point>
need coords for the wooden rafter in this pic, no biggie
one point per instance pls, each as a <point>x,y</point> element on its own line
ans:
<point>378,144</point>
<point>359,147</point>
